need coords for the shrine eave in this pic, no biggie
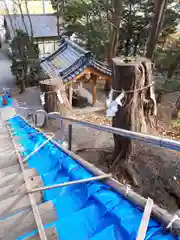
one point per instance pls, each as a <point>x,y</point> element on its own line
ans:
<point>70,61</point>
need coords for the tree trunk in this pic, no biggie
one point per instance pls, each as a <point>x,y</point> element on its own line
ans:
<point>51,88</point>
<point>58,28</point>
<point>136,43</point>
<point>173,66</point>
<point>139,105</point>
<point>156,26</point>
<point>22,16</point>
<point>30,22</point>
<point>114,36</point>
<point>176,109</point>
<point>94,89</point>
<point>70,93</point>
<point>22,85</point>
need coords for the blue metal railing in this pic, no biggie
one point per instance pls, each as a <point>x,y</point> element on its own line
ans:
<point>158,141</point>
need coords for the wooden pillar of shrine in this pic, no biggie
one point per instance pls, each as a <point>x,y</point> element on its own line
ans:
<point>80,85</point>
<point>94,90</point>
<point>70,93</point>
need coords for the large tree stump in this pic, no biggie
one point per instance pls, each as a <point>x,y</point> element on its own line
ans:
<point>139,105</point>
<point>176,109</point>
<point>51,88</point>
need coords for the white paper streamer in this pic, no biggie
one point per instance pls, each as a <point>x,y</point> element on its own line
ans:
<point>60,97</point>
<point>113,105</point>
<point>120,98</point>
<point>42,98</point>
<point>111,95</point>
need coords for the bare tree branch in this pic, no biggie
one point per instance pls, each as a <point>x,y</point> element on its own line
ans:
<point>22,15</point>
<point>30,22</point>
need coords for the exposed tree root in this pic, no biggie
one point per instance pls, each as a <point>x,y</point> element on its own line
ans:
<point>132,175</point>
<point>107,150</point>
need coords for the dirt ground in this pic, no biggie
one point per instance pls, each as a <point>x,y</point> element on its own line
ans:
<point>157,169</point>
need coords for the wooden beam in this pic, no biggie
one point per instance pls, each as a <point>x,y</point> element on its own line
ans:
<point>145,220</point>
<point>99,74</point>
<point>80,85</point>
<point>94,90</point>
<point>70,88</point>
<point>31,196</point>
<point>81,74</point>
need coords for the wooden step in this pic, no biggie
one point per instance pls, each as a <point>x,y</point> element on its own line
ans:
<point>24,222</point>
<point>17,203</point>
<point>17,178</point>
<point>51,234</point>
<point>10,170</point>
<point>16,189</point>
<point>8,160</point>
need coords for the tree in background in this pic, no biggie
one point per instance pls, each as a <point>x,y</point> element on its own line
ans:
<point>24,58</point>
<point>25,66</point>
<point>58,6</point>
<point>156,26</point>
<point>96,23</point>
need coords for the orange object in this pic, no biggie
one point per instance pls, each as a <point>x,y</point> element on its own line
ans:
<point>4,100</point>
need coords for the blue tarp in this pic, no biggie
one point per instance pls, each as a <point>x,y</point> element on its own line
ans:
<point>85,211</point>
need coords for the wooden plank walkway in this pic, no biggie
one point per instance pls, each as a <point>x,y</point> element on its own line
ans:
<point>22,212</point>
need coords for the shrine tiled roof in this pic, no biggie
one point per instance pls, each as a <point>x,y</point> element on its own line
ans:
<point>70,60</point>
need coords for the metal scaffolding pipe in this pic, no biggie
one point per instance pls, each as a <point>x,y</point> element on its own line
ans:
<point>86,180</point>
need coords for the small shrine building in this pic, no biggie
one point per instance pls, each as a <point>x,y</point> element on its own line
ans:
<point>71,63</point>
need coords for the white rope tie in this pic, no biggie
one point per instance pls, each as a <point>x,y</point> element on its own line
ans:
<point>174,219</point>
<point>135,90</point>
<point>128,188</point>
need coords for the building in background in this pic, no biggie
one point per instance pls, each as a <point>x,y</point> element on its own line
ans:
<point>44,29</point>
<point>34,7</point>
<point>2,31</point>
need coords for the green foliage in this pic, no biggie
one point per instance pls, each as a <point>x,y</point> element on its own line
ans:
<point>176,125</point>
<point>167,59</point>
<point>164,58</point>
<point>92,22</point>
<point>23,47</point>
<point>172,85</point>
<point>24,58</point>
<point>89,23</point>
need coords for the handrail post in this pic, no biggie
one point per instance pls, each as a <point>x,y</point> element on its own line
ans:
<point>70,137</point>
<point>60,124</point>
